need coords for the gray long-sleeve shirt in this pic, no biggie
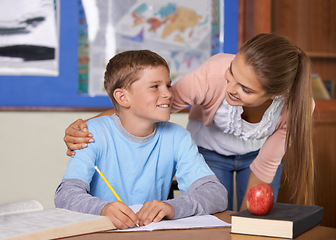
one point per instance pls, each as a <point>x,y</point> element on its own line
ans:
<point>205,196</point>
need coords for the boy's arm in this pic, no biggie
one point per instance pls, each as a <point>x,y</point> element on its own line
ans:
<point>205,196</point>
<point>73,194</point>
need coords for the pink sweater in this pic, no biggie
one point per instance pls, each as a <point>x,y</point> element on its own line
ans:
<point>204,89</point>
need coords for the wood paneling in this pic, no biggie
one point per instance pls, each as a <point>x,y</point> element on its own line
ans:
<point>254,18</point>
<point>324,141</point>
<point>310,24</point>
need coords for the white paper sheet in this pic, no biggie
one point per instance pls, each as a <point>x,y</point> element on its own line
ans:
<point>204,221</point>
<point>29,39</point>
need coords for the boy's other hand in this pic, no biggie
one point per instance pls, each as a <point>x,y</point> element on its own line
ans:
<point>120,215</point>
<point>155,211</point>
<point>77,136</point>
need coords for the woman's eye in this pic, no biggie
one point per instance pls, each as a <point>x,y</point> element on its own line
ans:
<point>230,69</point>
<point>246,90</point>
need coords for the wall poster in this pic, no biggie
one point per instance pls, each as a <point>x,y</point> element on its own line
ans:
<point>185,33</point>
<point>29,38</point>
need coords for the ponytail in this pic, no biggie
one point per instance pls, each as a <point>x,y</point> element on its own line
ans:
<point>298,160</point>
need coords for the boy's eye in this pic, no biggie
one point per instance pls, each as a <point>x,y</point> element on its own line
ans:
<point>155,86</point>
<point>168,85</point>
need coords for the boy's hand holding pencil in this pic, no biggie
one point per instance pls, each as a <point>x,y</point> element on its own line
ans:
<point>123,217</point>
<point>120,214</point>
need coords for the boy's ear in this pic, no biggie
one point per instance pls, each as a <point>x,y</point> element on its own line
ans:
<point>120,95</point>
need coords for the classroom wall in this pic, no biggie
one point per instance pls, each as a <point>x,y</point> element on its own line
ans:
<point>32,153</point>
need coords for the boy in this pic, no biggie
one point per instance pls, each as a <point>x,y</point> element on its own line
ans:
<point>139,152</point>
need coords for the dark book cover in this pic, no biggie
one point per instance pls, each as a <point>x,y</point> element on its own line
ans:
<point>304,217</point>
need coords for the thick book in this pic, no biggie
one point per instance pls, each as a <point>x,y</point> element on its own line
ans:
<point>284,220</point>
<point>28,220</point>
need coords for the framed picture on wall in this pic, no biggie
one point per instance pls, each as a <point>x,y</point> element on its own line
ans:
<point>29,38</point>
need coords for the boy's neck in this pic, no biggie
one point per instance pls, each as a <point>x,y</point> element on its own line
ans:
<point>135,127</point>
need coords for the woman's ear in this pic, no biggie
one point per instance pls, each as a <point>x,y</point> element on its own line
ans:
<point>120,95</point>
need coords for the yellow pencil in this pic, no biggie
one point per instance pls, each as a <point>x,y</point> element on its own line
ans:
<point>108,184</point>
<point>110,187</point>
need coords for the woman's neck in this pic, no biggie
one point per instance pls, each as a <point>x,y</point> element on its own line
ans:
<point>255,114</point>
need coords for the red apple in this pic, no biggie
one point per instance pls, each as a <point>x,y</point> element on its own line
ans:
<point>260,199</point>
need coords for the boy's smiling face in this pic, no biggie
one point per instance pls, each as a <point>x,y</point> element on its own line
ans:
<point>150,97</point>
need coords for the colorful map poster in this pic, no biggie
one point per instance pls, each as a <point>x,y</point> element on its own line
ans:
<point>185,33</point>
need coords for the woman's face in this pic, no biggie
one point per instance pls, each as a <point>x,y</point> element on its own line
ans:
<point>243,85</point>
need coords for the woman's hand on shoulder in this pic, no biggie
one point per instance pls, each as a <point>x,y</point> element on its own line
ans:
<point>77,136</point>
<point>155,211</point>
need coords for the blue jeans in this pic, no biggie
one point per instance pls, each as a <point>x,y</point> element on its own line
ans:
<point>224,167</point>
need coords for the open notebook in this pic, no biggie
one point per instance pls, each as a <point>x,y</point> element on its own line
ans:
<point>204,221</point>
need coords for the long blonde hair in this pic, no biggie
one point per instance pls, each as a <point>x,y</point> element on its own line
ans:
<point>285,70</point>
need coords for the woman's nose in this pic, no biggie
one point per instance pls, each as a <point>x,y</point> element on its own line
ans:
<point>231,87</point>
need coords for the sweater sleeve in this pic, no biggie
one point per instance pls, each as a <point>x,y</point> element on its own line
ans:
<point>203,88</point>
<point>271,153</point>
<point>205,196</point>
<point>73,194</point>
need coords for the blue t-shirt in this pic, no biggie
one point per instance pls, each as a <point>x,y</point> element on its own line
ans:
<point>139,169</point>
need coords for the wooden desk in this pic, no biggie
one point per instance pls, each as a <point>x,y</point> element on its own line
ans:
<point>317,233</point>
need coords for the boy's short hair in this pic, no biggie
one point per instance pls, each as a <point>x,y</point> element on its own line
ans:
<point>126,67</point>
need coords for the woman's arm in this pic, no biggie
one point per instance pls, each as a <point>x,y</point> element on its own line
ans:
<point>253,180</point>
<point>267,162</point>
<point>203,86</point>
<point>77,135</point>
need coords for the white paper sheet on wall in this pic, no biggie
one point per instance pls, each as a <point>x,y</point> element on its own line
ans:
<point>29,37</point>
